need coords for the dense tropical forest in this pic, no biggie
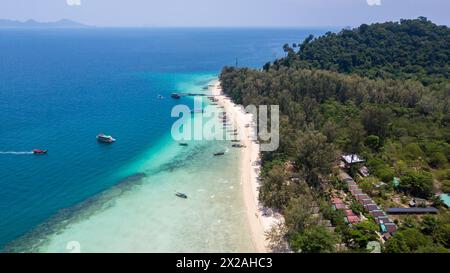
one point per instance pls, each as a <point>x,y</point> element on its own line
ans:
<point>381,91</point>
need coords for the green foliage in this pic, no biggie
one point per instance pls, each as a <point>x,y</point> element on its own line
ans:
<point>429,224</point>
<point>373,142</point>
<point>376,121</point>
<point>413,151</point>
<point>315,156</point>
<point>354,138</point>
<point>356,207</point>
<point>367,184</point>
<point>362,233</point>
<point>298,214</point>
<point>432,248</point>
<point>316,239</point>
<point>274,191</point>
<point>417,49</point>
<point>381,169</point>
<point>379,90</point>
<point>410,240</point>
<point>437,159</point>
<point>417,183</point>
<point>441,234</point>
<point>335,216</point>
<point>446,186</point>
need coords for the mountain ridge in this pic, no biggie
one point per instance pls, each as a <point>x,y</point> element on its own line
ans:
<point>31,23</point>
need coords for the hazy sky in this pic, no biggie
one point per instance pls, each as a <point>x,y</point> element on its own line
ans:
<point>225,12</point>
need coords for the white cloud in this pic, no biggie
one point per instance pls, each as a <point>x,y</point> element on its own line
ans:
<point>73,2</point>
<point>374,2</point>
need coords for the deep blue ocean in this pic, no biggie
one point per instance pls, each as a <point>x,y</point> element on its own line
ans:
<point>60,88</point>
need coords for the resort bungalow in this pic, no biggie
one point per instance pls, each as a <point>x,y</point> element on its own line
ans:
<point>377,213</point>
<point>366,201</point>
<point>445,197</point>
<point>338,203</point>
<point>353,219</point>
<point>336,200</point>
<point>364,171</point>
<point>357,191</point>
<point>386,225</point>
<point>340,206</point>
<point>414,210</point>
<point>352,188</point>
<point>418,202</point>
<point>349,212</point>
<point>371,207</point>
<point>391,227</point>
<point>361,196</point>
<point>382,219</point>
<point>351,159</point>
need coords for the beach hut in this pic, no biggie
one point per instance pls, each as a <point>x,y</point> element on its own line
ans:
<point>349,212</point>
<point>382,219</point>
<point>377,213</point>
<point>364,171</point>
<point>361,196</point>
<point>391,227</point>
<point>396,182</point>
<point>340,206</point>
<point>366,201</point>
<point>371,207</point>
<point>336,200</point>
<point>446,199</point>
<point>357,191</point>
<point>353,219</point>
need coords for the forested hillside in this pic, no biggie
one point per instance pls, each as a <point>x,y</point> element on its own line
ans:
<point>381,91</point>
<point>409,49</point>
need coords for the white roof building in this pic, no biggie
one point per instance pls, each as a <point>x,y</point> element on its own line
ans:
<point>352,159</point>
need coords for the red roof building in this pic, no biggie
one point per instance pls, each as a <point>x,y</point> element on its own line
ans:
<point>340,206</point>
<point>349,212</point>
<point>353,219</point>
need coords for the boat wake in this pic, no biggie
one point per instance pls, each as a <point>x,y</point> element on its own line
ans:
<point>15,153</point>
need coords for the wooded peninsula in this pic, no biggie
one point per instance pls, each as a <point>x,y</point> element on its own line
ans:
<point>378,93</point>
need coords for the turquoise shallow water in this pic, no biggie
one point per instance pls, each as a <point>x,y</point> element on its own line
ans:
<point>59,88</point>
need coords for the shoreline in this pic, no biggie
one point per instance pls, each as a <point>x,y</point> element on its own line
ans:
<point>259,222</point>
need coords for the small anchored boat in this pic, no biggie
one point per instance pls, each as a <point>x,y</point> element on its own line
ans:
<point>238,146</point>
<point>183,144</point>
<point>39,152</point>
<point>105,138</point>
<point>175,96</point>
<point>219,153</point>
<point>181,195</point>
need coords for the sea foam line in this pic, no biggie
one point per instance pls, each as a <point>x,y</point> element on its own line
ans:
<point>15,153</point>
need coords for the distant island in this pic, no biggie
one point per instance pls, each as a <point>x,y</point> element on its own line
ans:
<point>63,23</point>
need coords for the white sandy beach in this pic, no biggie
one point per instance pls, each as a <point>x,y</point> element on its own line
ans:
<point>259,222</point>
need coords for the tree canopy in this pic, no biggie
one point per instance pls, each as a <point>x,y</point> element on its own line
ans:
<point>379,90</point>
